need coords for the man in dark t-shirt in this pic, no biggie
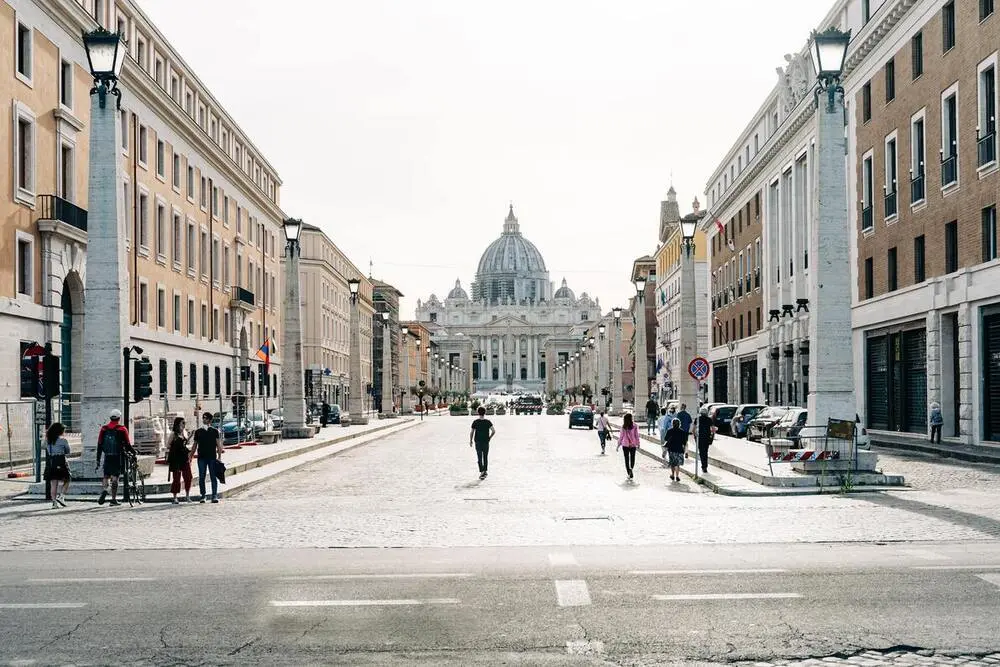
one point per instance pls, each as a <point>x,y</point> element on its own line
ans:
<point>481,434</point>
<point>208,442</point>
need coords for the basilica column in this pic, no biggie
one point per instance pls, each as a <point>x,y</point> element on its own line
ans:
<point>532,353</point>
<point>517,358</point>
<point>489,357</point>
<point>501,374</point>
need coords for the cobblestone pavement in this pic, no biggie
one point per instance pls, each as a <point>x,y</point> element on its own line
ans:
<point>918,658</point>
<point>547,485</point>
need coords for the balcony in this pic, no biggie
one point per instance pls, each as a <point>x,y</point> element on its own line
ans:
<point>987,149</point>
<point>949,170</point>
<point>890,204</point>
<point>866,217</point>
<point>917,188</point>
<point>242,299</point>
<point>52,207</point>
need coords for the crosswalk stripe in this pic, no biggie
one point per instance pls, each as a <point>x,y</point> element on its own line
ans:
<point>747,571</point>
<point>42,605</point>
<point>572,593</point>
<point>400,575</point>
<point>362,603</point>
<point>88,580</point>
<point>562,559</point>
<point>955,567</point>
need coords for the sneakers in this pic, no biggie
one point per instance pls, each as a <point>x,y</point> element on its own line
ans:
<point>215,501</point>
<point>59,499</point>
<point>55,505</point>
<point>482,475</point>
<point>100,500</point>
<point>187,498</point>
<point>202,500</point>
<point>176,502</point>
<point>113,502</point>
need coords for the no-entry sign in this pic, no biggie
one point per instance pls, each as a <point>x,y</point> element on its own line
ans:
<point>698,368</point>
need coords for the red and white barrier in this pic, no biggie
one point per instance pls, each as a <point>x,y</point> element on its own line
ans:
<point>803,455</point>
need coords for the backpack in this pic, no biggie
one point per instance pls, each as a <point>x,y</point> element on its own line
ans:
<point>109,442</point>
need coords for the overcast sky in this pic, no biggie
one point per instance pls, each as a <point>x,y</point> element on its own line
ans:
<point>404,127</point>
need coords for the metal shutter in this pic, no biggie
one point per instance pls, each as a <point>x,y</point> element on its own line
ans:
<point>878,382</point>
<point>991,381</point>
<point>914,381</point>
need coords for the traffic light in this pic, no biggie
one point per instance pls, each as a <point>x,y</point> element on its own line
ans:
<point>309,383</point>
<point>142,382</point>
<point>50,375</point>
<point>239,403</point>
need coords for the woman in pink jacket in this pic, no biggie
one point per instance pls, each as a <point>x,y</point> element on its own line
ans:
<point>628,440</point>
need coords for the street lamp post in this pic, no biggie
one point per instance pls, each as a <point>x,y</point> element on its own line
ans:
<point>640,378</point>
<point>404,392</point>
<point>387,392</point>
<point>106,287</point>
<point>601,329</point>
<point>688,390</point>
<point>593,375</point>
<point>616,375</point>
<point>293,395</point>
<point>355,394</point>
<point>831,383</point>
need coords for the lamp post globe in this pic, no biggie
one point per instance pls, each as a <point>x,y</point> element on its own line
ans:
<point>640,285</point>
<point>601,329</point>
<point>292,228</point>
<point>688,228</point>
<point>617,313</point>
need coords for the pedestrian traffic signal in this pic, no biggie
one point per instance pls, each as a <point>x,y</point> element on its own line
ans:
<point>142,382</point>
<point>262,376</point>
<point>50,375</point>
<point>309,383</point>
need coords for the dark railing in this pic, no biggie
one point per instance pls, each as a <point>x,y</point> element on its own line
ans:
<point>244,295</point>
<point>949,170</point>
<point>866,217</point>
<point>52,207</point>
<point>890,204</point>
<point>916,188</point>
<point>987,149</point>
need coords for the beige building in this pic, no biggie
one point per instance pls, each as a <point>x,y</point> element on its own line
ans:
<point>326,318</point>
<point>201,206</point>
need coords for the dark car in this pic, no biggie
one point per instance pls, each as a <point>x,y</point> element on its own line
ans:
<point>528,405</point>
<point>722,418</point>
<point>790,426</point>
<point>581,415</point>
<point>334,416</point>
<point>760,426</point>
<point>742,417</point>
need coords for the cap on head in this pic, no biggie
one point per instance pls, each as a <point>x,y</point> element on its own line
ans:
<point>704,411</point>
<point>116,414</point>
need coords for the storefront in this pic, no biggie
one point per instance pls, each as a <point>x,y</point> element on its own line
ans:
<point>991,377</point>
<point>748,380</point>
<point>720,383</point>
<point>896,380</point>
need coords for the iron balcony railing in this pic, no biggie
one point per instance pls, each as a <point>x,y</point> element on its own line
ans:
<point>53,207</point>
<point>987,149</point>
<point>890,204</point>
<point>949,170</point>
<point>243,295</point>
<point>917,188</point>
<point>866,217</point>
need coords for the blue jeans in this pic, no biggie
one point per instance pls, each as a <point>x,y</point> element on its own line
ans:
<point>209,466</point>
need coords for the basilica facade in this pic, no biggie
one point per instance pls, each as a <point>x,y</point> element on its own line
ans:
<point>515,327</point>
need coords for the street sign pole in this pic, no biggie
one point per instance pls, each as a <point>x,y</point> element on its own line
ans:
<point>698,369</point>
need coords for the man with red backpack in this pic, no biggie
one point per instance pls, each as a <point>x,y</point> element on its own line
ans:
<point>113,441</point>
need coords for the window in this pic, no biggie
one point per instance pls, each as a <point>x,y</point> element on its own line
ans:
<point>204,193</point>
<point>869,278</point>
<point>25,265</point>
<point>66,84</point>
<point>161,308</point>
<point>225,267</point>
<point>986,129</point>
<point>143,154</point>
<point>204,321</point>
<point>161,159</point>
<point>178,379</point>
<point>161,231</point>
<point>919,260</point>
<point>190,248</point>
<point>866,102</point>
<point>175,241</point>
<point>143,220</point>
<point>193,379</point>
<point>989,216</point>
<point>24,155</point>
<point>67,171</point>
<point>124,123</point>
<point>948,26</point>
<point>143,303</point>
<point>158,72</point>
<point>140,53</point>
<point>215,201</point>
<point>893,283</point>
<point>917,54</point>
<point>174,88</point>
<point>24,49</point>
<point>951,247</point>
<point>985,9</point>
<point>215,260</point>
<point>949,137</point>
<point>190,317</point>
<point>917,148</point>
<point>890,80</point>
<point>177,313</point>
<point>867,190</point>
<point>190,183</point>
<point>176,174</point>
<point>203,255</point>
<point>189,104</point>
<point>204,379</point>
<point>163,377</point>
<point>890,177</point>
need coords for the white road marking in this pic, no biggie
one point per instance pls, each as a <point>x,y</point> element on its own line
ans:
<point>584,647</point>
<point>747,571</point>
<point>993,578</point>
<point>572,593</point>
<point>89,580</point>
<point>562,559</point>
<point>729,596</point>
<point>956,567</point>
<point>43,605</point>
<point>923,554</point>
<point>401,575</point>
<point>361,603</point>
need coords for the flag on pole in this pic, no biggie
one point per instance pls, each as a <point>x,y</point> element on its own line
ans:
<point>718,225</point>
<point>264,354</point>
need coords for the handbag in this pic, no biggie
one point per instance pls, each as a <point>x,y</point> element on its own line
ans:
<point>220,471</point>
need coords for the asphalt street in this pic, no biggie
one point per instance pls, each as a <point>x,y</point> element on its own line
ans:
<point>395,553</point>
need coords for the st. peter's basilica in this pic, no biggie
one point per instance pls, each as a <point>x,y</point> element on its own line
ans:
<point>515,327</point>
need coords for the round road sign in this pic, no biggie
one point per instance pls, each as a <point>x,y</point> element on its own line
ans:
<point>698,368</point>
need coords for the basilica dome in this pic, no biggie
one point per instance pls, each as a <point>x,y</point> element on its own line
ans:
<point>564,292</point>
<point>457,292</point>
<point>511,268</point>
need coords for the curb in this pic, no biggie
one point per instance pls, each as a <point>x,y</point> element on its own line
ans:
<point>958,454</point>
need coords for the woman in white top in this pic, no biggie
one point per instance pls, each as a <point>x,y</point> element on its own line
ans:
<point>56,468</point>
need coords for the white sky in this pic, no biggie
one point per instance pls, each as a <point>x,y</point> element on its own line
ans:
<point>404,127</point>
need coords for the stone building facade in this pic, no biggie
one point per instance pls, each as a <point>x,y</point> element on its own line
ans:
<point>200,204</point>
<point>515,328</point>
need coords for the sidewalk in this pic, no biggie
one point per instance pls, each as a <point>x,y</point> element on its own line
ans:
<point>950,448</point>
<point>739,467</point>
<point>245,466</point>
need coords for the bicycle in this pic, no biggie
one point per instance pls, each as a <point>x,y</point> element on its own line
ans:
<point>135,486</point>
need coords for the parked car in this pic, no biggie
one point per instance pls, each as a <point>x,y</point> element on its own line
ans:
<point>233,431</point>
<point>722,417</point>
<point>760,426</point>
<point>581,415</point>
<point>528,405</point>
<point>334,417</point>
<point>742,417</point>
<point>790,425</point>
<point>278,417</point>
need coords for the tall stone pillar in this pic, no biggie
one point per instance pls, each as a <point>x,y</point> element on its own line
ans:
<point>292,377</point>
<point>386,370</point>
<point>641,373</point>
<point>355,401</point>
<point>404,403</point>
<point>685,385</point>
<point>106,288</point>
<point>616,373</point>
<point>517,358</point>
<point>831,372</point>
<point>502,374</point>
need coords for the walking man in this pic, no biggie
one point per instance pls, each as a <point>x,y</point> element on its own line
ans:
<point>685,418</point>
<point>603,429</point>
<point>208,442</point>
<point>112,442</point>
<point>704,434</point>
<point>480,435</point>
<point>652,409</point>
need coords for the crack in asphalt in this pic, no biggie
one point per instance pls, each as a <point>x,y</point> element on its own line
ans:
<point>245,645</point>
<point>311,628</point>
<point>69,633</point>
